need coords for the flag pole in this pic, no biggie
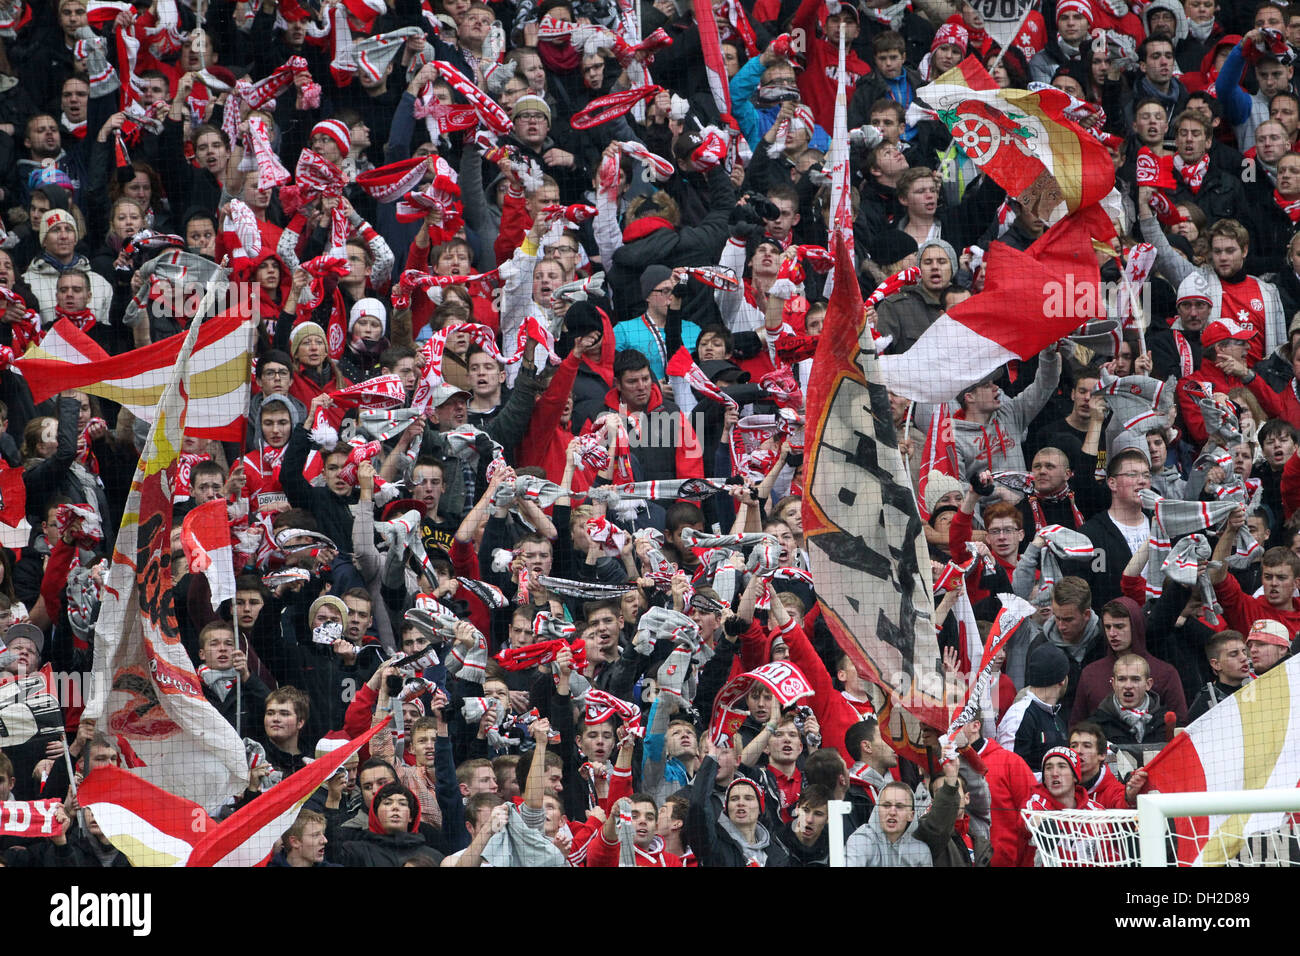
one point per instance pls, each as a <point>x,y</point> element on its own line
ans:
<point>72,778</point>
<point>907,459</point>
<point>1019,26</point>
<point>1139,316</point>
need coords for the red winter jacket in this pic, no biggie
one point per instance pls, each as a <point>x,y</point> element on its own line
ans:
<point>547,441</point>
<point>1219,381</point>
<point>959,536</point>
<point>600,853</point>
<point>835,714</point>
<point>1108,791</point>
<point>1241,610</point>
<point>515,223</point>
<point>1011,783</point>
<point>817,79</point>
<point>357,719</point>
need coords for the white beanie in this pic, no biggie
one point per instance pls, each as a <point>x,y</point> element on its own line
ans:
<point>371,307</point>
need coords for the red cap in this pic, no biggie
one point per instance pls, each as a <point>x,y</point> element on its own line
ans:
<point>1221,329</point>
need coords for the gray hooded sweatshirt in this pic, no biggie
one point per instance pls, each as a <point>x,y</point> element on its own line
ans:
<point>870,846</point>
<point>999,443</point>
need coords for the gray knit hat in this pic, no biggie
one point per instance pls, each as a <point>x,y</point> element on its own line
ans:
<point>947,250</point>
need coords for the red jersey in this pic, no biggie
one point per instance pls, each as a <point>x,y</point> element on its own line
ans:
<point>1243,302</point>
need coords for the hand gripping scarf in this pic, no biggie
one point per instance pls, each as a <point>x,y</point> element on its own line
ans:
<point>721,278</point>
<point>315,176</point>
<point>899,280</point>
<point>1060,543</point>
<point>493,116</point>
<point>656,166</point>
<point>1189,564</point>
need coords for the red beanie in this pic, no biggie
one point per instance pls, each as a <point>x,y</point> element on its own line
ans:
<point>745,781</point>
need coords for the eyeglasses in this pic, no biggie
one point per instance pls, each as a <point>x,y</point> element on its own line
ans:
<point>522,117</point>
<point>667,291</point>
<point>276,372</point>
<point>570,250</point>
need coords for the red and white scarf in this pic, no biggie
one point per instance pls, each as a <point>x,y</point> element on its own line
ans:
<point>1194,174</point>
<point>270,171</point>
<point>315,176</point>
<point>1289,206</point>
<point>81,318</point>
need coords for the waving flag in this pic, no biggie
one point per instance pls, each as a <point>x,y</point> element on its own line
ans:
<point>205,536</point>
<point>218,383</point>
<point>715,68</point>
<point>866,546</point>
<point>1056,280</point>
<point>1016,136</point>
<point>145,688</point>
<point>155,828</point>
<point>939,454</point>
<point>1250,741</point>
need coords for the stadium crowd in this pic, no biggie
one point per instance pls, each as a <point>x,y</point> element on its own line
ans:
<point>487,290</point>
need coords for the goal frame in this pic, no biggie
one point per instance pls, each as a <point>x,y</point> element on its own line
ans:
<point>1153,809</point>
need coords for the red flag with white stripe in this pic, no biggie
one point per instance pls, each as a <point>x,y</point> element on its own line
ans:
<point>1054,281</point>
<point>205,536</point>
<point>155,828</point>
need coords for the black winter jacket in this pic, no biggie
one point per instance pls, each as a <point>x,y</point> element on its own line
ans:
<point>691,246</point>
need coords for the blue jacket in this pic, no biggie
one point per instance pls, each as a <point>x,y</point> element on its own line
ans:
<point>755,121</point>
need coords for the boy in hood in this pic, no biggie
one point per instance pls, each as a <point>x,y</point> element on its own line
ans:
<point>394,836</point>
<point>735,837</point>
<point>1124,627</point>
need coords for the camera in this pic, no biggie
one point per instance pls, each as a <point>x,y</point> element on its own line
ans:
<point>765,208</point>
<point>393,683</point>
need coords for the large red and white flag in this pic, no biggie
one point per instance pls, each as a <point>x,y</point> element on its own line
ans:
<point>145,688</point>
<point>205,537</point>
<point>1250,741</point>
<point>865,541</point>
<point>246,837</point>
<point>218,370</point>
<point>1017,136</point>
<point>1030,299</point>
<point>153,827</point>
